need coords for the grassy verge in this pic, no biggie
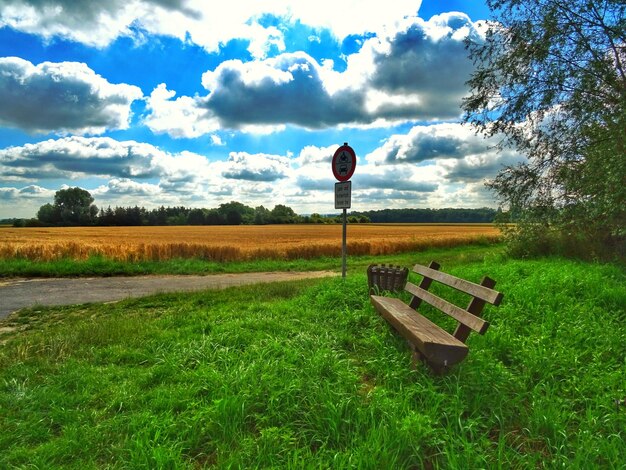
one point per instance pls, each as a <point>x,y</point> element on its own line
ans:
<point>99,266</point>
<point>307,375</point>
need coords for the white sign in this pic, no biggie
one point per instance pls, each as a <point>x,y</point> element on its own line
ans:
<point>343,195</point>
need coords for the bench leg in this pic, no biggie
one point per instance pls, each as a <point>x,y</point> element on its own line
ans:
<point>418,358</point>
<point>437,369</point>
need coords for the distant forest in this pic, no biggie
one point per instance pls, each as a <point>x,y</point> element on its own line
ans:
<point>235,213</point>
<point>75,207</point>
<point>448,215</point>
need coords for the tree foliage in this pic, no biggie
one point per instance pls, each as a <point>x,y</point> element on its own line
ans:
<point>72,206</point>
<point>550,78</point>
<point>445,215</point>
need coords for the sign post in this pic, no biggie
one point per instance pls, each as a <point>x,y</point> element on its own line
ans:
<point>344,163</point>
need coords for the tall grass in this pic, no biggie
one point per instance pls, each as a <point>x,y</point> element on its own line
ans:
<point>225,253</point>
<point>100,266</point>
<point>307,375</point>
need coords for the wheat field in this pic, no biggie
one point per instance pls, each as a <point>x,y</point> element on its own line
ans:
<point>232,243</point>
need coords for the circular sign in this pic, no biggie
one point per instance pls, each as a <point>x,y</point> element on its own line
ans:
<point>344,163</point>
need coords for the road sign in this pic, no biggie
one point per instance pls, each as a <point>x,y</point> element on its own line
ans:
<point>343,195</point>
<point>344,162</point>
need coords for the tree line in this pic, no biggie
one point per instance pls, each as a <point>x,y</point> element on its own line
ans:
<point>230,213</point>
<point>446,215</point>
<point>75,207</point>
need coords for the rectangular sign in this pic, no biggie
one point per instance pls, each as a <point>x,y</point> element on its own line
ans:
<point>343,195</point>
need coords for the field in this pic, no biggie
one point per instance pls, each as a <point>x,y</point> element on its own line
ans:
<point>307,375</point>
<point>229,243</point>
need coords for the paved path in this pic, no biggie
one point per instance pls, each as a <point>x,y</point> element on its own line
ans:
<point>20,293</point>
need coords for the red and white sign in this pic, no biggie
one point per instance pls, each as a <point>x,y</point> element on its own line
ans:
<point>344,163</point>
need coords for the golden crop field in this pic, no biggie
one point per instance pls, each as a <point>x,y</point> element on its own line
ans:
<point>231,243</point>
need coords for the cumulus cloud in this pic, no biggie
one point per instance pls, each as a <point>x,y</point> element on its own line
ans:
<point>258,167</point>
<point>438,141</point>
<point>449,152</point>
<point>127,187</point>
<point>61,97</point>
<point>386,198</point>
<point>425,61</point>
<point>415,70</point>
<point>394,179</point>
<point>286,89</point>
<point>99,23</point>
<point>480,167</point>
<point>78,157</point>
<point>310,183</point>
<point>181,117</point>
<point>27,192</point>
<point>142,174</point>
<point>313,155</point>
<point>435,166</point>
<point>92,22</point>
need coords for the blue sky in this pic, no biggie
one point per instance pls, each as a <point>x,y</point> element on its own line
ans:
<point>177,102</point>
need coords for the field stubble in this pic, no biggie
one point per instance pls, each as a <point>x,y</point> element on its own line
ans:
<point>233,243</point>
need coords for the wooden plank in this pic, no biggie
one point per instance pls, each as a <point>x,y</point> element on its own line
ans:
<point>438,346</point>
<point>476,290</point>
<point>384,277</point>
<point>475,307</point>
<point>475,323</point>
<point>425,284</point>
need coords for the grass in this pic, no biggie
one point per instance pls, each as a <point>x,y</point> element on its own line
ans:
<point>100,266</point>
<point>307,375</point>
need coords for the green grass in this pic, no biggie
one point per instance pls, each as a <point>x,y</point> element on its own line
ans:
<point>307,375</point>
<point>99,266</point>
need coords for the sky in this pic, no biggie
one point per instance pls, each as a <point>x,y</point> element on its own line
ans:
<point>182,102</point>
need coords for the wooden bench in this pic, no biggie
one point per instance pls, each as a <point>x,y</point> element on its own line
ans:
<point>430,343</point>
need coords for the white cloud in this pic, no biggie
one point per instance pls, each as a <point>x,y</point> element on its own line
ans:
<point>257,167</point>
<point>27,192</point>
<point>61,97</point>
<point>440,165</point>
<point>413,71</point>
<point>437,141</point>
<point>100,23</point>
<point>127,187</point>
<point>217,140</point>
<point>312,155</point>
<point>181,117</point>
<point>23,202</point>
<point>103,157</point>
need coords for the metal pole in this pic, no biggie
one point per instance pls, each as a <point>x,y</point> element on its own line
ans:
<point>344,249</point>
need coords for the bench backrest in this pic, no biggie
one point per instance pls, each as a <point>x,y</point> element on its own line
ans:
<point>469,318</point>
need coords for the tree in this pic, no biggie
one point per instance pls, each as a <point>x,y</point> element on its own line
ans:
<point>236,213</point>
<point>261,215</point>
<point>213,217</point>
<point>72,206</point>
<point>196,217</point>
<point>550,79</point>
<point>282,214</point>
<point>49,214</point>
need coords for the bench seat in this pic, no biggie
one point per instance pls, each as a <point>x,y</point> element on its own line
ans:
<point>438,346</point>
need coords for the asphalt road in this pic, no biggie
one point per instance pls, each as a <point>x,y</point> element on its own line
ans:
<point>16,294</point>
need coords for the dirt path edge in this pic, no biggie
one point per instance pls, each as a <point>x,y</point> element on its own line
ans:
<point>16,294</point>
